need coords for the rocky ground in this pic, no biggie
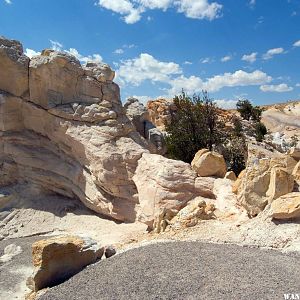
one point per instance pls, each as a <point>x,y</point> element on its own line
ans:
<point>185,270</point>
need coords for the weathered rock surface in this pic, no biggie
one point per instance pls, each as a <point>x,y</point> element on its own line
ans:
<point>281,183</point>
<point>160,112</point>
<point>163,184</point>
<point>286,207</point>
<point>207,163</point>
<point>192,213</point>
<point>13,68</point>
<point>267,176</point>
<point>230,175</point>
<point>59,258</point>
<point>70,136</point>
<point>139,115</point>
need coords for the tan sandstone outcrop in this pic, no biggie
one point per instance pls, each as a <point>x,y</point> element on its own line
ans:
<point>209,163</point>
<point>281,183</point>
<point>267,176</point>
<point>160,112</point>
<point>164,184</point>
<point>13,68</point>
<point>286,207</point>
<point>70,136</point>
<point>59,258</point>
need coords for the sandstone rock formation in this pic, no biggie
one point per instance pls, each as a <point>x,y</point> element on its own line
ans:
<point>266,177</point>
<point>139,115</point>
<point>207,163</point>
<point>192,213</point>
<point>59,258</point>
<point>160,112</point>
<point>165,184</point>
<point>13,68</point>
<point>286,207</point>
<point>63,129</point>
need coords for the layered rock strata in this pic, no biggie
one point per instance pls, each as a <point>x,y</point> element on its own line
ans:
<point>63,128</point>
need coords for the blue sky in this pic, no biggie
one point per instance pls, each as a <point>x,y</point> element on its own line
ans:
<point>232,48</point>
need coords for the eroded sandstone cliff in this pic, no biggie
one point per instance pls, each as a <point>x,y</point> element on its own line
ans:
<point>63,130</point>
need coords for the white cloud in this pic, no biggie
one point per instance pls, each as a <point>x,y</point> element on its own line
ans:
<point>119,51</point>
<point>280,88</point>
<point>143,99</point>
<point>298,84</point>
<point>187,63</point>
<point>195,84</point>
<point>84,59</point>
<point>199,9</point>
<point>297,44</point>
<point>270,53</point>
<point>55,45</point>
<point>206,60</point>
<point>226,104</point>
<point>8,1</point>
<point>226,58</point>
<point>250,57</point>
<point>132,10</point>
<point>30,53</point>
<point>146,67</point>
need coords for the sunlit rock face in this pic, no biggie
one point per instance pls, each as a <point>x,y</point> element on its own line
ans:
<point>63,129</point>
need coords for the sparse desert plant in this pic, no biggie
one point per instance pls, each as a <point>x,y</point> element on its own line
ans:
<point>195,125</point>
<point>260,131</point>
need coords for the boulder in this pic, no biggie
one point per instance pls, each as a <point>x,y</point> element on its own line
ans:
<point>286,207</point>
<point>230,175</point>
<point>255,180</point>
<point>59,258</point>
<point>281,183</point>
<point>13,68</point>
<point>204,187</point>
<point>162,184</point>
<point>208,163</point>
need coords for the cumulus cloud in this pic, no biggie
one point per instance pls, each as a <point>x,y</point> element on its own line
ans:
<point>251,58</point>
<point>194,84</point>
<point>270,53</point>
<point>280,88</point>
<point>30,52</point>
<point>8,1</point>
<point>187,62</point>
<point>132,10</point>
<point>226,58</point>
<point>297,44</point>
<point>146,67</point>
